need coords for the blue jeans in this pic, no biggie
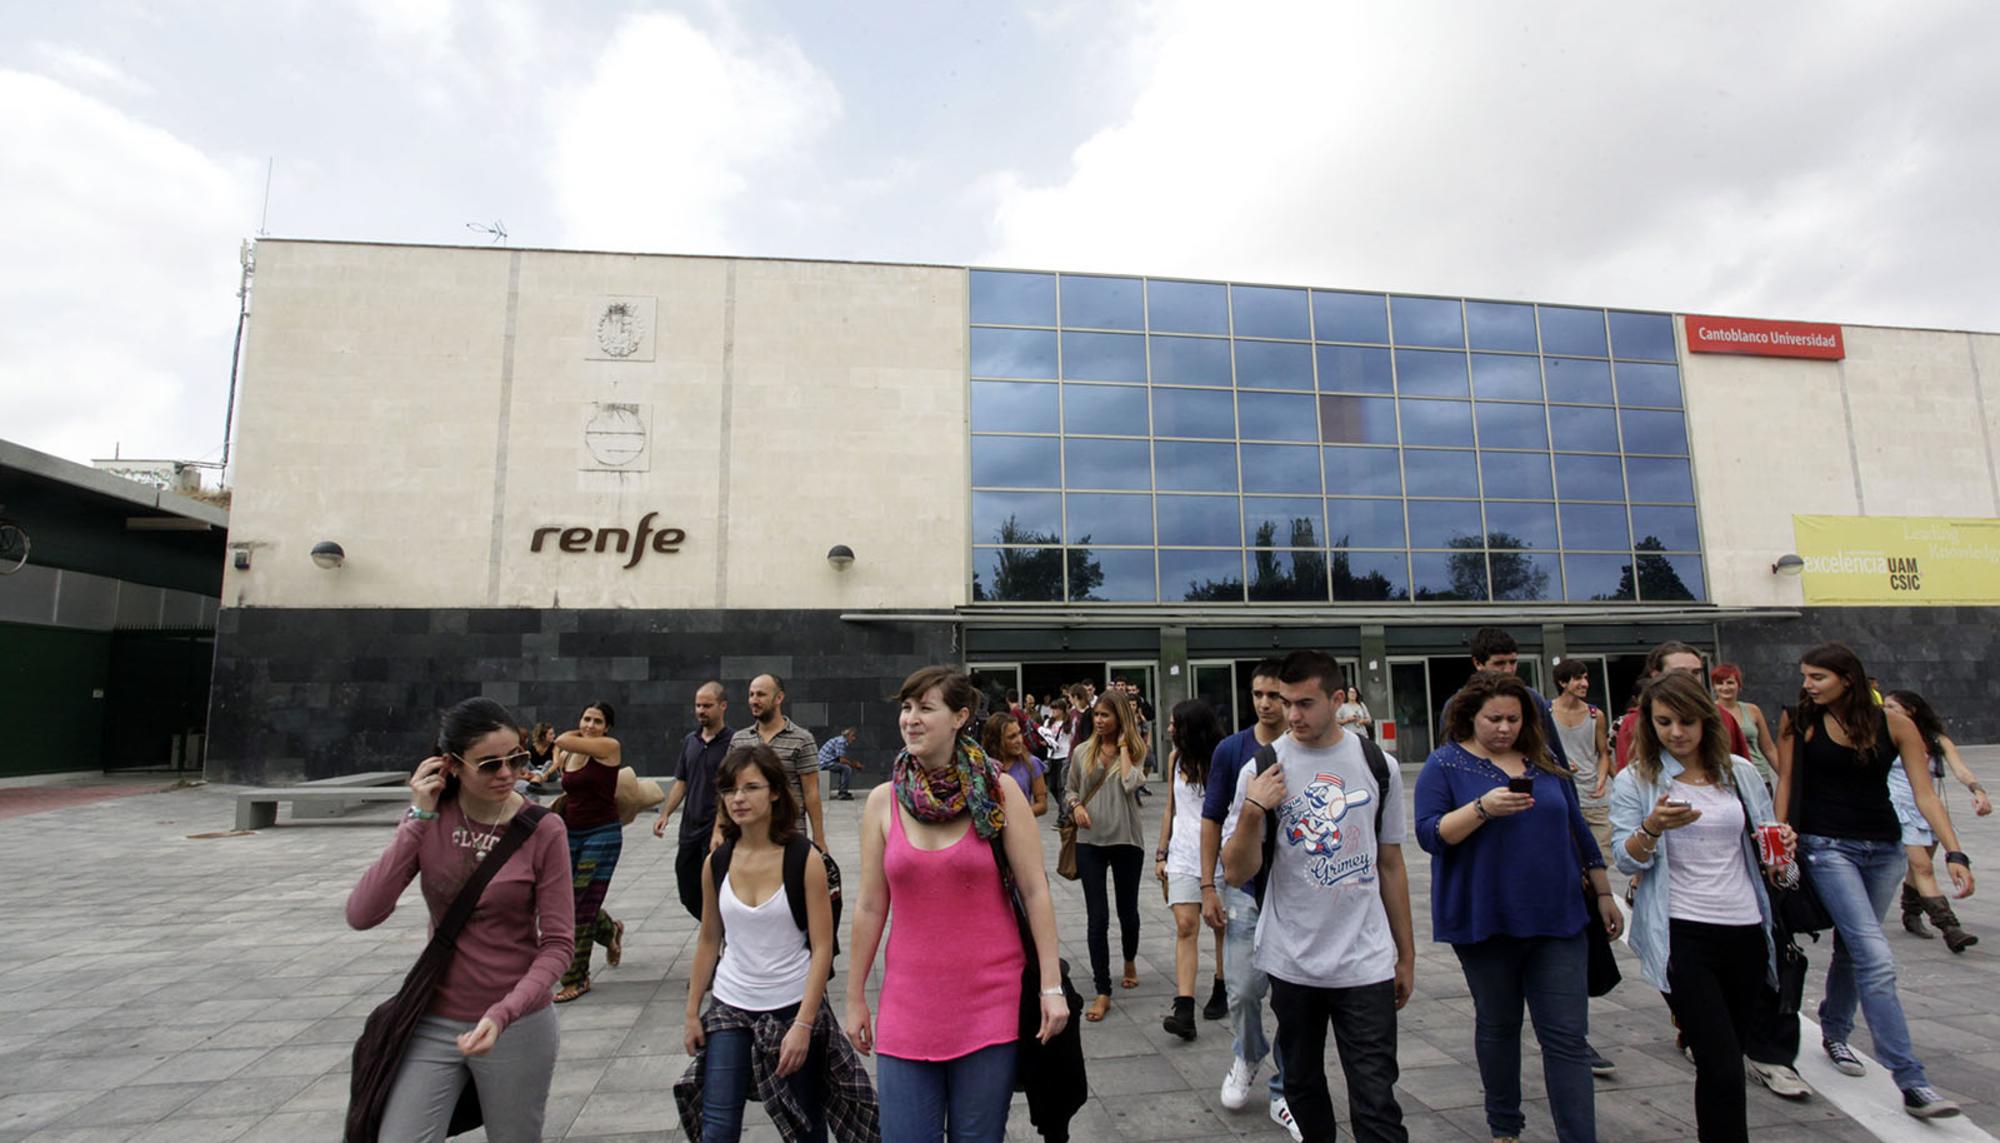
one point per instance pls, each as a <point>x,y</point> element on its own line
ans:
<point>1245,984</point>
<point>726,1086</point>
<point>843,776</point>
<point>1551,974</point>
<point>1857,881</point>
<point>921,1099</point>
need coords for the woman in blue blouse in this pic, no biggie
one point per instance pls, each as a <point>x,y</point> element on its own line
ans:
<point>1504,895</point>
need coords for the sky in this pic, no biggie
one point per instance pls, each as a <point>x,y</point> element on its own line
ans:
<point>1830,161</point>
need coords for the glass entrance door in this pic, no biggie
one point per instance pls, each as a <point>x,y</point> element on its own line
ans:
<point>1410,701</point>
<point>994,680</point>
<point>1215,684</point>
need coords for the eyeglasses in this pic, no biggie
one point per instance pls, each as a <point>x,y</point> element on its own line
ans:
<point>518,761</point>
<point>745,788</point>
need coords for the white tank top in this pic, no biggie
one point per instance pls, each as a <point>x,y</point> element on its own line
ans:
<point>765,957</point>
<point>1707,879</point>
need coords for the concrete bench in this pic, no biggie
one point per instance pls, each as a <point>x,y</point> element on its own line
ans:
<point>324,798</point>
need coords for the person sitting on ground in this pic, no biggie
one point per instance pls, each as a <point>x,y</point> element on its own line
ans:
<point>834,759</point>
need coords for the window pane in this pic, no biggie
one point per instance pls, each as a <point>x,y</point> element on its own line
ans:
<point>1013,353</point>
<point>1497,325</point>
<point>1104,357</point>
<point>1263,311</point>
<point>1520,525</point>
<point>1362,472</point>
<point>1664,578</point>
<point>1106,464</point>
<point>1435,472</point>
<point>1594,527</point>
<point>1449,575</point>
<point>1512,426</point>
<point>1185,466</point>
<point>1660,481</point>
<point>1365,523</point>
<point>1438,523</point>
<point>1583,430</point>
<point>1425,374</point>
<point>1013,407</point>
<point>1290,522</point>
<point>1013,299</point>
<point>1578,382</point>
<point>1190,361</point>
<point>1273,365</point>
<point>1497,377</point>
<point>1187,307</point>
<point>1204,577</point>
<point>1102,303</point>
<point>1656,385</point>
<point>1272,416</point>
<point>1288,576</point>
<point>1428,321</point>
<point>1200,521</point>
<point>1280,468</point>
<point>1598,577</point>
<point>1350,317</point>
<point>1357,420</point>
<point>1370,576</point>
<point>1016,517</point>
<point>1520,576</point>
<point>1646,336</point>
<point>1572,332</point>
<point>1014,462</point>
<point>1107,518</point>
<point>1194,413</point>
<point>1437,422</point>
<point>1516,475</point>
<point>1110,576</point>
<point>1109,410</point>
<point>1665,529</point>
<point>1589,478</point>
<point>1352,369</point>
<point>1017,575</point>
<point>1653,432</point>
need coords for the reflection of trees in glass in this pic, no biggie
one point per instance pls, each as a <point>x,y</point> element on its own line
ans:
<point>1656,575</point>
<point>1348,586</point>
<point>1515,575</point>
<point>1032,574</point>
<point>1086,575</point>
<point>1301,577</point>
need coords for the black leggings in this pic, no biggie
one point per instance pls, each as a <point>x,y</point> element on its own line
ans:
<point>1716,972</point>
<point>1122,862</point>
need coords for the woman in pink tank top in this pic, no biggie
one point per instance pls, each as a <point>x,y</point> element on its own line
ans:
<point>951,981</point>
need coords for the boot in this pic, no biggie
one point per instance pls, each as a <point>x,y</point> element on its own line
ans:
<point>1218,1002</point>
<point>1914,908</point>
<point>1181,1023</point>
<point>1955,938</point>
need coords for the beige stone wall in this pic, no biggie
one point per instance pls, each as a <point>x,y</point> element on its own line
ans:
<point>789,407</point>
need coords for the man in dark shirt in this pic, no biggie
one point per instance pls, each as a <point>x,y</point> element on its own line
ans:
<point>702,752</point>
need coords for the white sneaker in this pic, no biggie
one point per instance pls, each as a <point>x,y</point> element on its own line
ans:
<point>1236,1085</point>
<point>1281,1114</point>
<point>1782,1080</point>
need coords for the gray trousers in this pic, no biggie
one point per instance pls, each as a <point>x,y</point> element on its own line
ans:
<point>512,1080</point>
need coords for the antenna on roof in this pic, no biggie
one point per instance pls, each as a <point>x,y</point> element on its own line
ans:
<point>498,230</point>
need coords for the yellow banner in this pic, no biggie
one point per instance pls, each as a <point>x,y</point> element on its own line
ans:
<point>1886,561</point>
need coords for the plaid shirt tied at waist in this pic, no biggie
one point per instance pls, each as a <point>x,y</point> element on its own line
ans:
<point>852,1115</point>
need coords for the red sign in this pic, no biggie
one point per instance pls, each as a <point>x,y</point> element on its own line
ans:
<point>1764,338</point>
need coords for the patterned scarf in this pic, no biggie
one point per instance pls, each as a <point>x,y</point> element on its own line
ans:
<point>970,783</point>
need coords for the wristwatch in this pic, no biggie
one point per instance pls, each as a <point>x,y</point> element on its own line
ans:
<point>1054,991</point>
<point>1951,855</point>
<point>416,815</point>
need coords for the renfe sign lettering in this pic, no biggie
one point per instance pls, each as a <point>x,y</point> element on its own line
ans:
<point>1764,338</point>
<point>666,541</point>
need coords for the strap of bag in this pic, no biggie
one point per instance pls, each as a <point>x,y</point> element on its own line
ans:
<point>1797,773</point>
<point>1378,766</point>
<point>525,821</point>
<point>1103,775</point>
<point>796,852</point>
<point>1266,758</point>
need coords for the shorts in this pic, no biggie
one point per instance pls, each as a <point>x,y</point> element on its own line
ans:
<point>1183,889</point>
<point>1916,829</point>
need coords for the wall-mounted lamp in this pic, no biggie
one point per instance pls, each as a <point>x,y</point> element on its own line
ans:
<point>840,555</point>
<point>1788,564</point>
<point>242,559</point>
<point>328,555</point>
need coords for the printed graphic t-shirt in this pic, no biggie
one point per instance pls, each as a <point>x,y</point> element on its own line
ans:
<point>1323,922</point>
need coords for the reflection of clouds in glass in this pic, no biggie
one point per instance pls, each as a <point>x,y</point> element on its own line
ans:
<point>1089,463</point>
<point>1110,518</point>
<point>1267,311</point>
<point>1273,416</point>
<point>1517,475</point>
<point>1664,481</point>
<point>1108,410</point>
<point>1194,413</point>
<point>1656,385</point>
<point>1599,527</point>
<point>1013,353</point>
<point>1500,325</point>
<point>1006,298</point>
<point>1646,336</point>
<point>1104,357</point>
<point>1584,430</point>
<point>1112,576</point>
<point>1357,420</point>
<point>1190,361</point>
<point>1577,381</point>
<point>1102,303</point>
<point>1674,528</point>
<point>1274,365</point>
<point>1500,377</point>
<point>1013,407</point>
<point>1365,523</point>
<point>1589,478</point>
<point>1340,316</point>
<point>1520,525</point>
<point>1429,373</point>
<point>1428,321</point>
<point>1014,462</point>
<point>1200,521</point>
<point>1437,422</point>
<point>1438,523</point>
<point>1512,426</point>
<point>1598,577</point>
<point>1189,466</point>
<point>1280,468</point>
<point>1573,332</point>
<point>1652,431</point>
<point>997,516</point>
<point>1362,472</point>
<point>1187,307</point>
<point>1355,369</point>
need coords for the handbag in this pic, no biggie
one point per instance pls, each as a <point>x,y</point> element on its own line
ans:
<point>378,1053</point>
<point>1602,963</point>
<point>1052,1075</point>
<point>1066,829</point>
<point>1798,907</point>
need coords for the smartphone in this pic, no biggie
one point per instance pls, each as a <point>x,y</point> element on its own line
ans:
<point>1525,784</point>
<point>1682,803</point>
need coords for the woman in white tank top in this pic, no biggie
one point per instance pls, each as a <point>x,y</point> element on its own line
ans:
<point>1194,732</point>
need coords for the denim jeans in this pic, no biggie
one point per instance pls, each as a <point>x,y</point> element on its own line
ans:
<point>924,1101</point>
<point>1364,1032</point>
<point>1857,881</point>
<point>843,776</point>
<point>1120,864</point>
<point>726,1086</point>
<point>1551,975</point>
<point>1245,983</point>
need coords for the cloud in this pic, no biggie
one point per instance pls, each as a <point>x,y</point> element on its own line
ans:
<point>1807,161</point>
<point>118,273</point>
<point>81,69</point>
<point>680,134</point>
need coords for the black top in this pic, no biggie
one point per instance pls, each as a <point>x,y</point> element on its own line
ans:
<point>697,766</point>
<point>1845,797</point>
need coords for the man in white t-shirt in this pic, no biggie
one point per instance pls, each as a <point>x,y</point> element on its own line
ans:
<point>1334,936</point>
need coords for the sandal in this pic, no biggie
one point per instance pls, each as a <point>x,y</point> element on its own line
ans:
<point>570,992</point>
<point>1097,1009</point>
<point>1131,978</point>
<point>615,951</point>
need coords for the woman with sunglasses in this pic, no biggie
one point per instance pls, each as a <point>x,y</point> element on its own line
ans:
<point>490,1020</point>
<point>590,760</point>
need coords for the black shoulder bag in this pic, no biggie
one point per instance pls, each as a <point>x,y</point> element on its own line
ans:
<point>1051,1075</point>
<point>1798,908</point>
<point>378,1054</point>
<point>1791,959</point>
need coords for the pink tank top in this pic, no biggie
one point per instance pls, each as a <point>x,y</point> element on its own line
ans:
<point>951,978</point>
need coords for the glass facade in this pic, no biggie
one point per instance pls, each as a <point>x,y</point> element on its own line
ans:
<point>1151,440</point>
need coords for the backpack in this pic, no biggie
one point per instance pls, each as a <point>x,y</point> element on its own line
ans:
<point>796,851</point>
<point>1378,768</point>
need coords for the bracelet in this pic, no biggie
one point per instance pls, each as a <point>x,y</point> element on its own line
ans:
<point>1479,807</point>
<point>1159,855</point>
<point>416,815</point>
<point>1613,896</point>
<point>1953,856</point>
<point>1208,885</point>
<point>1647,832</point>
<point>1053,991</point>
<point>1258,804</point>
<point>1976,788</point>
<point>806,1024</point>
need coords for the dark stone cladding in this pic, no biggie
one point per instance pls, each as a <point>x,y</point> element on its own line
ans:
<point>306,693</point>
<point>1950,655</point>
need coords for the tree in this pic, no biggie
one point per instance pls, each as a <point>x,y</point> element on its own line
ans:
<point>1656,576</point>
<point>1373,586</point>
<point>1028,569</point>
<point>1304,579</point>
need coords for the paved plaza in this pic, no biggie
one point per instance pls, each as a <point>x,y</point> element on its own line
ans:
<point>156,984</point>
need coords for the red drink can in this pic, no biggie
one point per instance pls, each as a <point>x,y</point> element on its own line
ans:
<point>1771,845</point>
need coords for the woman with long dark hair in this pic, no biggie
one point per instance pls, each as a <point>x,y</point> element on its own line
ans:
<point>1001,738</point>
<point>1193,732</point>
<point>590,759</point>
<point>1102,793</point>
<point>1836,750</point>
<point>1921,894</point>
<point>490,1020</point>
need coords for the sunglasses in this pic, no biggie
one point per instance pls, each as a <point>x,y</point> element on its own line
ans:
<point>516,762</point>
